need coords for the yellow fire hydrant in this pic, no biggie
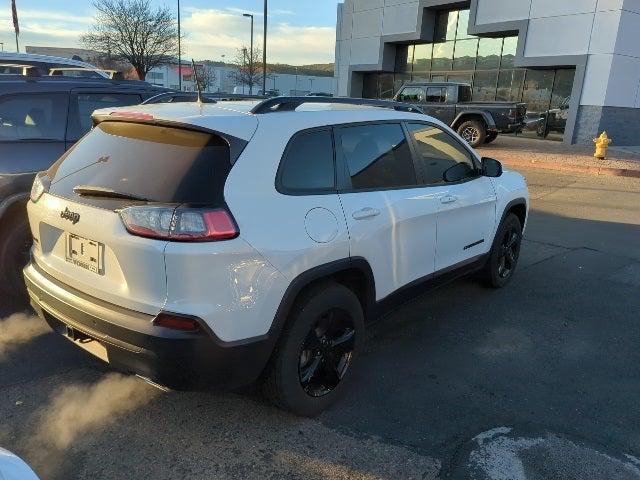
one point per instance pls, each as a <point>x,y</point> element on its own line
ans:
<point>602,143</point>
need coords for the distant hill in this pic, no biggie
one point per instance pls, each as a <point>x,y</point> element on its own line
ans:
<point>317,69</point>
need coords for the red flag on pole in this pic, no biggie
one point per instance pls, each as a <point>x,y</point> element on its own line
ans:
<point>16,27</point>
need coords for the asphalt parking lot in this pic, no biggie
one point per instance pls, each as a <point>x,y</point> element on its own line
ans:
<point>540,380</point>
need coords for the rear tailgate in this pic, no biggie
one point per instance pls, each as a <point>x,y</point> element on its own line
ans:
<point>80,236</point>
<point>128,271</point>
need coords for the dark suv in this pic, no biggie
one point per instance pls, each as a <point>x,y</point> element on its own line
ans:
<point>40,118</point>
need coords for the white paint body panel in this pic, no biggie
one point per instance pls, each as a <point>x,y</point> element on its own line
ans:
<point>400,242</point>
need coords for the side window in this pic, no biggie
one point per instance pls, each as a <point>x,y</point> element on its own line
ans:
<point>412,95</point>
<point>377,156</point>
<point>438,151</point>
<point>86,103</point>
<point>307,164</point>
<point>436,94</point>
<point>27,116</point>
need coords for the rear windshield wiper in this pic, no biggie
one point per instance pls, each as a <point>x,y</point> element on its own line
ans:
<point>94,191</point>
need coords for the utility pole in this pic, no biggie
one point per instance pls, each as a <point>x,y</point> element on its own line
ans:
<point>264,52</point>
<point>179,52</point>
<point>248,15</point>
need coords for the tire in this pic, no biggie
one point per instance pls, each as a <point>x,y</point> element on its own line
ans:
<point>14,254</point>
<point>490,137</point>
<point>505,252</point>
<point>303,375</point>
<point>542,130</point>
<point>473,131</point>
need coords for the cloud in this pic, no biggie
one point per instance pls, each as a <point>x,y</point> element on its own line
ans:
<point>212,33</point>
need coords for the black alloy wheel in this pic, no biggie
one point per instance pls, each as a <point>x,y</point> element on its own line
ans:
<point>505,252</point>
<point>509,252</point>
<point>326,353</point>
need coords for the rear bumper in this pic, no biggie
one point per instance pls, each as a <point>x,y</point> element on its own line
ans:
<point>130,342</point>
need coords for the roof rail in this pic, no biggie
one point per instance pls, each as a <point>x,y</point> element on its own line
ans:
<point>288,104</point>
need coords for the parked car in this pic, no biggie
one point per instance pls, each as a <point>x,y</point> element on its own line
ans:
<point>212,245</point>
<point>18,69</point>
<point>13,467</point>
<point>44,63</point>
<point>477,122</point>
<point>554,119</point>
<point>41,118</point>
<point>78,72</point>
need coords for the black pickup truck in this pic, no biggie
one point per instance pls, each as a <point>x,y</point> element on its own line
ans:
<point>476,122</point>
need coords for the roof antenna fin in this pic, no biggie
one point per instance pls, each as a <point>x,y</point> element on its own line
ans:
<point>198,84</point>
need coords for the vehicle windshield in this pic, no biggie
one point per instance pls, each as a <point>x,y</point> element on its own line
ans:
<point>165,164</point>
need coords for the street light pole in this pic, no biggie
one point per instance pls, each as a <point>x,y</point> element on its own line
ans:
<point>179,52</point>
<point>248,15</point>
<point>264,52</point>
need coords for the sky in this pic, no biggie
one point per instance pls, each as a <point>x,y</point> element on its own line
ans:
<point>300,31</point>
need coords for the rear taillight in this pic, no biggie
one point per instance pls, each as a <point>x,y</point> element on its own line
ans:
<point>177,322</point>
<point>40,185</point>
<point>179,224</point>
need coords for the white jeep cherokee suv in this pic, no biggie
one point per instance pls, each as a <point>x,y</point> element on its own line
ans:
<point>216,244</point>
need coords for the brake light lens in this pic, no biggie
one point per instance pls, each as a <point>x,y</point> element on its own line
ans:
<point>40,185</point>
<point>179,224</point>
<point>177,322</point>
<point>132,115</point>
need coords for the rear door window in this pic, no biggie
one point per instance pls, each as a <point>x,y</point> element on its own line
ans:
<point>162,164</point>
<point>33,117</point>
<point>84,104</point>
<point>436,94</point>
<point>377,156</point>
<point>307,165</point>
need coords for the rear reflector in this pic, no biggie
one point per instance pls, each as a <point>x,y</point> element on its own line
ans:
<point>179,224</point>
<point>177,322</point>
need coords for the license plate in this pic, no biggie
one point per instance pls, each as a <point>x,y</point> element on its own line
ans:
<point>85,253</point>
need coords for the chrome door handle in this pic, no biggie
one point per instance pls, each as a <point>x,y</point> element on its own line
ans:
<point>367,212</point>
<point>448,199</point>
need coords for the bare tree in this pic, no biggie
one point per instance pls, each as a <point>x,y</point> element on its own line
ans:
<point>206,76</point>
<point>247,71</point>
<point>130,30</point>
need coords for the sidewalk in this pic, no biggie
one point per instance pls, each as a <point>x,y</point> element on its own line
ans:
<point>533,153</point>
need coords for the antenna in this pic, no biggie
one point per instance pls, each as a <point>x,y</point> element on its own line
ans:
<point>198,84</point>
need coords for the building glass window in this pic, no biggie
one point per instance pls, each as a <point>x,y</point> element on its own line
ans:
<point>484,86</point>
<point>509,52</point>
<point>538,86</point>
<point>465,54</point>
<point>489,53</point>
<point>487,64</point>
<point>422,58</point>
<point>446,25</point>
<point>442,56</point>
<point>510,85</point>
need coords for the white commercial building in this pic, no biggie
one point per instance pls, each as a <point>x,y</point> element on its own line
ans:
<point>574,60</point>
<point>224,80</point>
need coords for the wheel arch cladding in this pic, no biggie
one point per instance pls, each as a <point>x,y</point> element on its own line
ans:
<point>354,273</point>
<point>480,116</point>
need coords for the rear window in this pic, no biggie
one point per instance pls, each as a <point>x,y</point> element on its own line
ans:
<point>162,164</point>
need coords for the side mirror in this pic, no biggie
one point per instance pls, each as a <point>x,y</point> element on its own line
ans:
<point>491,167</point>
<point>457,173</point>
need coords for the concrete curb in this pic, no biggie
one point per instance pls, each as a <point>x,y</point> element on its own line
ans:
<point>588,170</point>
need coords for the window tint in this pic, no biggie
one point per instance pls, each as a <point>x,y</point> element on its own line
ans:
<point>163,164</point>
<point>87,103</point>
<point>377,156</point>
<point>436,94</point>
<point>33,117</point>
<point>438,151</point>
<point>412,94</point>
<point>307,164</point>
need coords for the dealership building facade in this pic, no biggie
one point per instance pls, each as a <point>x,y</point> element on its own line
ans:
<point>575,60</point>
